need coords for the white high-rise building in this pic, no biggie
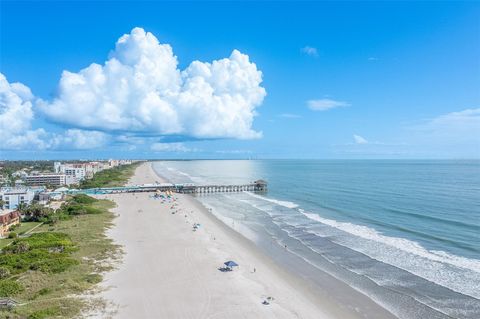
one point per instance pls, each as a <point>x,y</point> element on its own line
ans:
<point>57,167</point>
<point>74,172</point>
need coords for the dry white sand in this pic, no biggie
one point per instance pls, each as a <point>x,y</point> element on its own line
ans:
<point>171,271</point>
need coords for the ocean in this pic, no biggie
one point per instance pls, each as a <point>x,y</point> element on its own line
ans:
<point>405,233</point>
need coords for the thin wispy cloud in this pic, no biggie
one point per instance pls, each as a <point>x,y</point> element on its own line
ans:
<point>311,51</point>
<point>359,139</point>
<point>372,58</point>
<point>325,104</point>
<point>450,135</point>
<point>469,118</point>
<point>455,127</point>
<point>170,147</point>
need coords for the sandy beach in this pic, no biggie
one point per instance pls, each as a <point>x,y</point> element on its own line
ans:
<point>170,270</point>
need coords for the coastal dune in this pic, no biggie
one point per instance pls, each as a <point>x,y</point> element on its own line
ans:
<point>171,270</point>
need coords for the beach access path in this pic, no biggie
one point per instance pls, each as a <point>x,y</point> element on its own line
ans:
<point>169,270</point>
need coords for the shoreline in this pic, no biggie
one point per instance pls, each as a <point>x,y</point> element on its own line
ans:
<point>321,297</point>
<point>258,276</point>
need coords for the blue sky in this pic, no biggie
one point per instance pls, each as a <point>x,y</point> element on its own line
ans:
<point>338,80</point>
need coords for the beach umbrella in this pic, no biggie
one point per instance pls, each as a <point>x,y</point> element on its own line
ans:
<point>230,263</point>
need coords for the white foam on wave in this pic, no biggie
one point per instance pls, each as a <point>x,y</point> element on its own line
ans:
<point>184,174</point>
<point>437,266</point>
<point>179,172</point>
<point>283,203</point>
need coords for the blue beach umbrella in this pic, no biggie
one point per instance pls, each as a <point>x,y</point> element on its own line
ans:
<point>230,263</point>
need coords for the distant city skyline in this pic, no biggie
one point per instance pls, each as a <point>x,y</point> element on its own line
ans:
<point>186,80</point>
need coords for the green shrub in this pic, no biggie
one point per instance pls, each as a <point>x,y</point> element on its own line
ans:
<point>21,247</point>
<point>83,199</point>
<point>75,209</point>
<point>36,212</point>
<point>46,240</point>
<point>93,278</point>
<point>12,235</point>
<point>47,252</point>
<point>10,288</point>
<point>62,215</point>
<point>18,263</point>
<point>44,291</point>
<point>55,265</point>
<point>116,176</point>
<point>37,259</point>
<point>45,313</point>
<point>93,210</point>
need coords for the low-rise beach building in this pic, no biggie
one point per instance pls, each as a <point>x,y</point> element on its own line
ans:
<point>11,197</point>
<point>47,179</point>
<point>7,220</point>
<point>45,197</point>
<point>19,183</point>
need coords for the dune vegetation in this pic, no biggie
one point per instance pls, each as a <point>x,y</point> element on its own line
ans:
<point>112,177</point>
<point>47,272</point>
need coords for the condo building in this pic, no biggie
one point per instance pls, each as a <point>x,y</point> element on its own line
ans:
<point>14,196</point>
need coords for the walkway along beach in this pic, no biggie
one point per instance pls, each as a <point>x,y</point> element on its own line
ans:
<point>171,268</point>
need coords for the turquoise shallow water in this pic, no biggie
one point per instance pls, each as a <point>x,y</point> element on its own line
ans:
<point>395,230</point>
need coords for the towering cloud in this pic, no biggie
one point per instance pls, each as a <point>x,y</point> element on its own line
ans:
<point>16,115</point>
<point>140,90</point>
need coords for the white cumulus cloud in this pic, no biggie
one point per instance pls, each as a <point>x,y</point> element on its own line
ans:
<point>16,115</point>
<point>140,90</point>
<point>325,104</point>
<point>79,139</point>
<point>359,140</point>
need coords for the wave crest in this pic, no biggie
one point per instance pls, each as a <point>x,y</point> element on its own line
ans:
<point>283,203</point>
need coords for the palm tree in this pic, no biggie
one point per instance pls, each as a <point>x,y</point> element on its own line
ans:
<point>22,208</point>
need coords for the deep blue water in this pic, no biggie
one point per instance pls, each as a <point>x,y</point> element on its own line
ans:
<point>410,227</point>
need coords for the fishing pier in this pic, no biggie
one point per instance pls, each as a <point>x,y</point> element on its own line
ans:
<point>186,188</point>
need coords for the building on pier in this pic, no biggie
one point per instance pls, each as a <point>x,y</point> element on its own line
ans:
<point>260,185</point>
